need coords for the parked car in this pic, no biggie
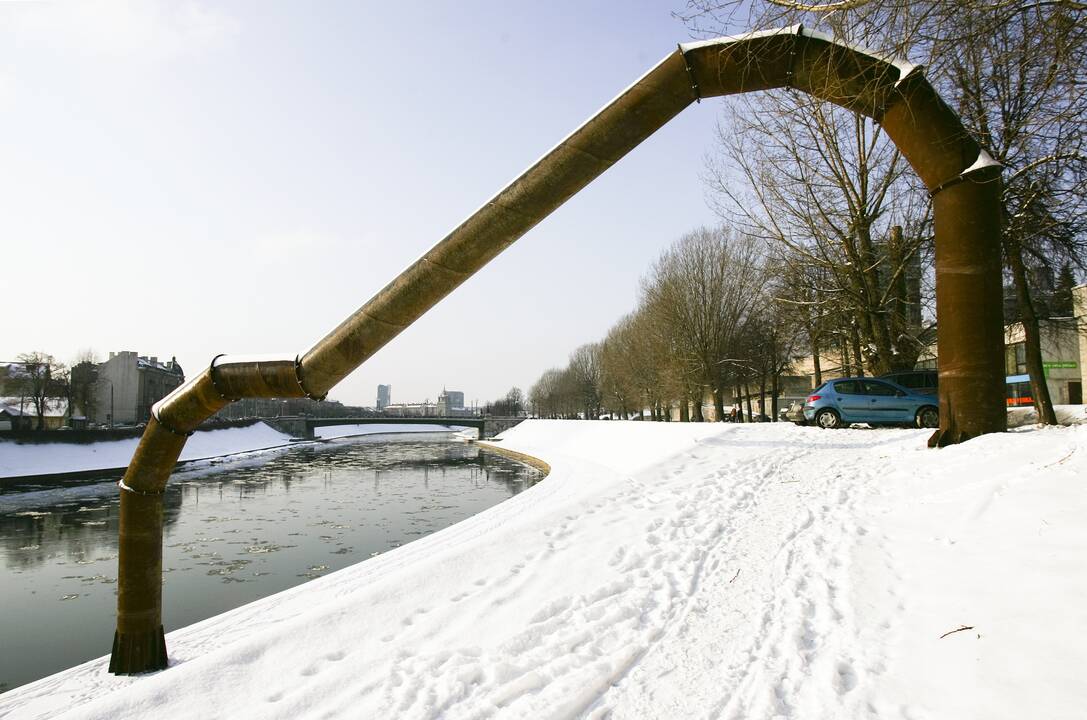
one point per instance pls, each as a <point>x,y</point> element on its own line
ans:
<point>839,403</point>
<point>922,381</point>
<point>794,413</point>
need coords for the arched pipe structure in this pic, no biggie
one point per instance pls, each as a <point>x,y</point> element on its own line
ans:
<point>962,180</point>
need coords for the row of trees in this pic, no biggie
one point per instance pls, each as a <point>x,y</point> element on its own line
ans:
<point>512,404</point>
<point>712,324</point>
<point>826,187</point>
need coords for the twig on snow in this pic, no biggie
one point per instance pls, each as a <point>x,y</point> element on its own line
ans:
<point>734,577</point>
<point>1061,461</point>
<point>959,629</point>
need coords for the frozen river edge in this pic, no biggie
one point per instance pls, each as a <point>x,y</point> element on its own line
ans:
<point>36,462</point>
<point>676,570</point>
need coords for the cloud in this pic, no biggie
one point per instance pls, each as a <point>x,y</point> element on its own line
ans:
<point>144,31</point>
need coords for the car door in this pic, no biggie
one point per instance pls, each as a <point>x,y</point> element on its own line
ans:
<point>851,401</point>
<point>887,403</point>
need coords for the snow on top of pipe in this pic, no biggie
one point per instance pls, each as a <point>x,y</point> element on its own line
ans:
<point>240,359</point>
<point>985,160</point>
<point>904,67</point>
<point>726,39</point>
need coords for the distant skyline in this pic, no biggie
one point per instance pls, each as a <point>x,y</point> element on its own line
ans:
<point>188,179</point>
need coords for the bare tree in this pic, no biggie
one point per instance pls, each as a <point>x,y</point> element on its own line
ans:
<point>37,381</point>
<point>702,288</point>
<point>585,369</point>
<point>1014,69</point>
<point>824,186</point>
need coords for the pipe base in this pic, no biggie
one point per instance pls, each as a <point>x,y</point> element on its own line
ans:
<point>140,652</point>
<point>943,438</point>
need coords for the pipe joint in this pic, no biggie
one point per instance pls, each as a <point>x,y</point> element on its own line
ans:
<point>984,163</point>
<point>215,380</point>
<point>165,425</point>
<point>690,74</point>
<point>134,491</point>
<point>301,383</point>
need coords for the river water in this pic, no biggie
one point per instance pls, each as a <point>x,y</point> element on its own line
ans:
<point>232,535</point>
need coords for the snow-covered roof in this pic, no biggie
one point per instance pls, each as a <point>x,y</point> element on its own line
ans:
<point>170,367</point>
<point>54,406</point>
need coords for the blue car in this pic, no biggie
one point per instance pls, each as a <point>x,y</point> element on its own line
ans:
<point>839,403</point>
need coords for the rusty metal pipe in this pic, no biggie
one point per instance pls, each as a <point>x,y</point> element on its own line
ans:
<point>929,134</point>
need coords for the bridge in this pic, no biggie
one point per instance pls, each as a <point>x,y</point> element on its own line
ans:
<point>300,426</point>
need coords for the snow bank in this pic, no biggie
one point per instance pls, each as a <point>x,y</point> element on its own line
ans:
<point>338,431</point>
<point>1066,415</point>
<point>672,571</point>
<point>47,458</point>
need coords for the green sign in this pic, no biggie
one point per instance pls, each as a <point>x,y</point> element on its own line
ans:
<point>1063,365</point>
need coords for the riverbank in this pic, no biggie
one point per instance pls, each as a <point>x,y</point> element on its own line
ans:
<point>42,462</point>
<point>676,570</point>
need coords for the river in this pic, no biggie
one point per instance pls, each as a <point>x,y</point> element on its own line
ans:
<point>233,534</point>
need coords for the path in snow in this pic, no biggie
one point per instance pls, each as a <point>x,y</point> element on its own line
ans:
<point>664,571</point>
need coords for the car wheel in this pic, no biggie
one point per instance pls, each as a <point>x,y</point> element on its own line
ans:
<point>928,417</point>
<point>828,419</point>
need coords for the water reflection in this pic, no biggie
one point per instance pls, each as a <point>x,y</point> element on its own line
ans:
<point>231,536</point>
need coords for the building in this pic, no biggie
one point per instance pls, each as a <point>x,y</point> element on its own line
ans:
<point>1064,355</point>
<point>384,396</point>
<point>423,409</point>
<point>20,413</point>
<point>1064,352</point>
<point>129,384</point>
<point>450,403</point>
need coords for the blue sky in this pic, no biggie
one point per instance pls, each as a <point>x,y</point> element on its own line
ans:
<point>191,179</point>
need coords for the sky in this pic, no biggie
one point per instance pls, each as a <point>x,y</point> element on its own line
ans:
<point>188,179</point>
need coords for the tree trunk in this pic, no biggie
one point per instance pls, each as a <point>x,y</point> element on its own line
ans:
<point>697,407</point>
<point>1038,388</point>
<point>762,394</point>
<point>815,358</point>
<point>738,396</point>
<point>774,396</point>
<point>685,410</point>
<point>858,356</point>
<point>747,394</point>
<point>719,403</point>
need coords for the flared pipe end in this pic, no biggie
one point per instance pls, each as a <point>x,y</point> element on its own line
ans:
<point>138,652</point>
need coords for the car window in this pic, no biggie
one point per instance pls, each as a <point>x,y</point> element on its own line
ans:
<point>877,388</point>
<point>848,387</point>
<point>910,380</point>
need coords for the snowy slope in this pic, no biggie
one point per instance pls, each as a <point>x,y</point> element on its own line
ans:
<point>17,459</point>
<point>674,571</point>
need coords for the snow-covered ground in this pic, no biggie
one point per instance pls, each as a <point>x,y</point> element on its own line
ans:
<point>1066,415</point>
<point>19,459</point>
<point>677,571</point>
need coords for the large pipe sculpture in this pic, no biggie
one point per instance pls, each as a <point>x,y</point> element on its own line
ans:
<point>962,179</point>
